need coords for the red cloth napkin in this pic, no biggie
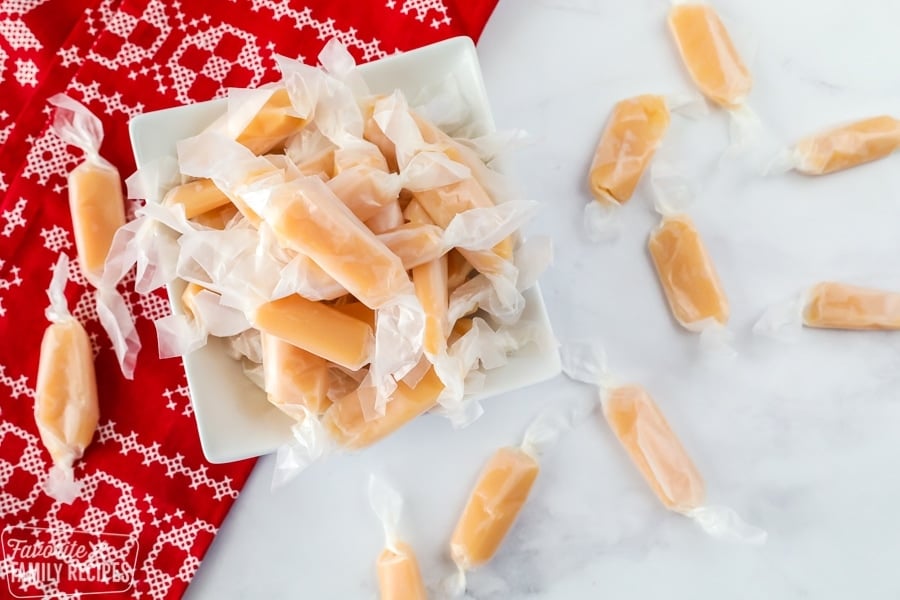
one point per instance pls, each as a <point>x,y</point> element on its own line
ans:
<point>151,504</point>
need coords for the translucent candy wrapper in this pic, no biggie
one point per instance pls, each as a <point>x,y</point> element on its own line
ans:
<point>398,572</point>
<point>481,346</point>
<point>842,148</point>
<point>308,218</point>
<point>502,489</point>
<point>653,447</point>
<point>344,425</point>
<point>98,211</point>
<point>260,119</point>
<point>204,315</point>
<point>336,111</point>
<point>65,401</point>
<point>633,133</point>
<point>311,152</point>
<point>713,62</point>
<point>296,381</point>
<point>832,305</point>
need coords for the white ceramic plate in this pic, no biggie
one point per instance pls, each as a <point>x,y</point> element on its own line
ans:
<point>234,418</point>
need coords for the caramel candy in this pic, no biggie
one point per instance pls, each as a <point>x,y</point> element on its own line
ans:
<point>645,434</point>
<point>308,218</point>
<point>98,210</point>
<point>430,280</point>
<point>198,197</point>
<point>399,577</point>
<point>273,124</point>
<point>218,218</point>
<point>415,244</point>
<point>317,328</point>
<point>189,299</point>
<point>458,269</point>
<point>357,310</point>
<point>848,146</point>
<point>709,54</point>
<point>366,191</point>
<point>373,133</point>
<point>493,506</point>
<point>839,306</point>
<point>443,203</point>
<point>294,378</point>
<point>634,132</point>
<point>346,421</point>
<point>65,401</point>
<point>686,273</point>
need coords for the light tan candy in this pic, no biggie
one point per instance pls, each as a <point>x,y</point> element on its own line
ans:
<point>366,191</point>
<point>499,494</point>
<point>399,577</point>
<point>687,274</point>
<point>317,328</point>
<point>430,280</point>
<point>65,402</point>
<point>709,54</point>
<point>632,135</point>
<point>95,188</point>
<point>415,244</point>
<point>493,505</point>
<point>218,218</point>
<point>645,434</point>
<point>444,203</point>
<point>373,133</point>
<point>458,269</point>
<point>294,378</point>
<point>357,310</point>
<point>273,124</point>
<point>414,213</point>
<point>198,197</point>
<point>308,218</point>
<point>347,424</point>
<point>653,447</point>
<point>839,306</point>
<point>359,153</point>
<point>847,146</point>
<point>388,218</point>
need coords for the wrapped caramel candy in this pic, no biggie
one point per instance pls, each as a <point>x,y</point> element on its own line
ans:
<point>843,147</point>
<point>98,211</point>
<point>499,494</point>
<point>713,62</point>
<point>65,401</point>
<point>399,577</point>
<point>833,305</point>
<point>653,447</point>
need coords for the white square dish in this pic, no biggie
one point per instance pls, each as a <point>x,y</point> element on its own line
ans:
<point>234,419</point>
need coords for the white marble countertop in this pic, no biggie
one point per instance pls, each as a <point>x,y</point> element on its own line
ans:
<point>800,438</point>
